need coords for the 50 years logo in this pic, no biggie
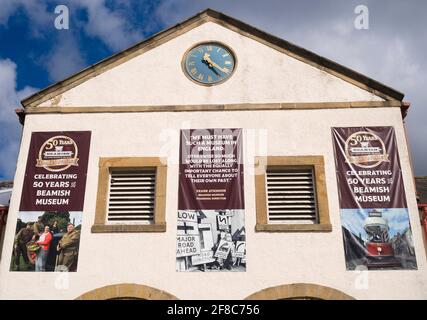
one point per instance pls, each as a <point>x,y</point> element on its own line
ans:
<point>365,149</point>
<point>57,154</point>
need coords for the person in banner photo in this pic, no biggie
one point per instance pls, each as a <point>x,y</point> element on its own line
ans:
<point>20,245</point>
<point>38,228</point>
<point>44,242</point>
<point>54,227</point>
<point>225,252</point>
<point>68,247</point>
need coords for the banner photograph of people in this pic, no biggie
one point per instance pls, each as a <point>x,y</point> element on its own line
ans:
<point>46,241</point>
<point>47,234</point>
<point>211,240</point>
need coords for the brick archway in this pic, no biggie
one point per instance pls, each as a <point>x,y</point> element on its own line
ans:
<point>126,291</point>
<point>299,291</point>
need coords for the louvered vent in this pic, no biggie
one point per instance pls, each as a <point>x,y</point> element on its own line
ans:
<point>131,196</point>
<point>291,196</point>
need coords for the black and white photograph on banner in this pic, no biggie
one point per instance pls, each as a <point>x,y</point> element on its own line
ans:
<point>211,240</point>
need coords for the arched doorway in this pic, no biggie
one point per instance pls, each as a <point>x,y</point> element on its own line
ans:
<point>126,291</point>
<point>299,291</point>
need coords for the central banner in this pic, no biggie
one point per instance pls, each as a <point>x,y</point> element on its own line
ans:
<point>211,224</point>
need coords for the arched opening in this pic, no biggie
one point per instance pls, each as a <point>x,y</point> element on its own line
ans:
<point>126,291</point>
<point>299,291</point>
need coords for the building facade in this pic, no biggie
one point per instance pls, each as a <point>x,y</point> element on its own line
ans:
<point>5,193</point>
<point>105,150</point>
<point>421,187</point>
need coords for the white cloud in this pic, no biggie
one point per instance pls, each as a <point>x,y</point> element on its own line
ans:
<point>10,129</point>
<point>8,8</point>
<point>111,27</point>
<point>65,57</point>
<point>34,9</point>
<point>397,60</point>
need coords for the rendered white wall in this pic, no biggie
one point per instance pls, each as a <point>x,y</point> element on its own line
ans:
<point>272,258</point>
<point>262,75</point>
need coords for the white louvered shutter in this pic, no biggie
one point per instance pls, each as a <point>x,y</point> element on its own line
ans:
<point>131,195</point>
<point>291,196</point>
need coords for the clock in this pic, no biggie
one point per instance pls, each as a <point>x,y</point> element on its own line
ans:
<point>209,63</point>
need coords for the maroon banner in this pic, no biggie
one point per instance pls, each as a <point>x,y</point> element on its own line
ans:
<point>374,215</point>
<point>368,168</point>
<point>211,222</point>
<point>211,169</point>
<point>55,176</point>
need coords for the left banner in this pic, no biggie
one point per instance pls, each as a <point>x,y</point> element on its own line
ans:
<point>211,222</point>
<point>47,234</point>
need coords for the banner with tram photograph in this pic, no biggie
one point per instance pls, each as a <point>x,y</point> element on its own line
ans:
<point>49,221</point>
<point>211,224</point>
<point>374,214</point>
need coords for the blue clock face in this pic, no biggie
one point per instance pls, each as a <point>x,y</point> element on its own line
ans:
<point>209,63</point>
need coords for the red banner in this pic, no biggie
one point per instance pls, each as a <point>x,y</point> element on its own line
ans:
<point>211,169</point>
<point>374,215</point>
<point>55,176</point>
<point>210,228</point>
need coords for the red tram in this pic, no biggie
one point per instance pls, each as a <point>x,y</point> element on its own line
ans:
<point>379,250</point>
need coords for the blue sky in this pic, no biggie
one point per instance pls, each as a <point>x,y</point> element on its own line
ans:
<point>33,54</point>
<point>32,43</point>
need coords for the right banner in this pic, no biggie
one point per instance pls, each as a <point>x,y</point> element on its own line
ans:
<point>374,214</point>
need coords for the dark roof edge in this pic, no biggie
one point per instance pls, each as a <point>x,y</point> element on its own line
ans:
<point>286,45</point>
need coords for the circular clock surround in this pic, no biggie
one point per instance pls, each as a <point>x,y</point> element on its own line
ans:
<point>209,63</point>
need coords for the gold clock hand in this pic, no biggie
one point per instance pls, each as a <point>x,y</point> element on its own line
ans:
<point>211,63</point>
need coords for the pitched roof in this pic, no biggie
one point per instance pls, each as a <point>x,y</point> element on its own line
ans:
<point>207,15</point>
